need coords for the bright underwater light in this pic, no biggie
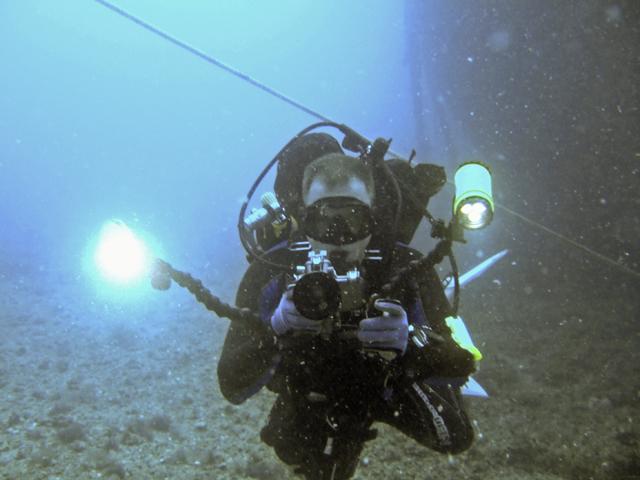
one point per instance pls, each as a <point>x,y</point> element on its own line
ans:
<point>473,204</point>
<point>121,256</point>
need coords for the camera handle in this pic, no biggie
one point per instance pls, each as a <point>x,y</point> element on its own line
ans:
<point>163,273</point>
<point>161,278</point>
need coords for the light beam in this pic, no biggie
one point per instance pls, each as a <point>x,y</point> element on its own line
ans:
<point>121,257</point>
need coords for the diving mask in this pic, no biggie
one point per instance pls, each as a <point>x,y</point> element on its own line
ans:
<point>338,220</point>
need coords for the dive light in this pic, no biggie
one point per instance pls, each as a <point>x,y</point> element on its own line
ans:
<point>120,255</point>
<point>473,205</point>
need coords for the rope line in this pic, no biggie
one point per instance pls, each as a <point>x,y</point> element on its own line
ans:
<point>564,238</point>
<point>211,60</point>
<point>207,58</point>
<point>572,242</point>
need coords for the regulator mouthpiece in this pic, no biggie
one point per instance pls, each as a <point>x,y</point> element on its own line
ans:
<point>473,205</point>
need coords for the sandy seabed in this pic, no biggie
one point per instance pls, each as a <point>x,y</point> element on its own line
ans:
<point>87,393</point>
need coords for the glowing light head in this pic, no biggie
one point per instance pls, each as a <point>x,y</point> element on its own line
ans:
<point>120,255</point>
<point>473,203</point>
<point>474,214</point>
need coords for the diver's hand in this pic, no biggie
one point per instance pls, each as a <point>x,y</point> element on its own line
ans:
<point>286,318</point>
<point>390,331</point>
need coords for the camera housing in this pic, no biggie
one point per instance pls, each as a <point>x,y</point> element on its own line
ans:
<point>319,292</point>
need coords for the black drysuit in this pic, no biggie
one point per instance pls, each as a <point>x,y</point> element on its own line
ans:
<point>330,391</point>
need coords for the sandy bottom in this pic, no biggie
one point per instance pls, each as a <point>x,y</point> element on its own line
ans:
<point>88,393</point>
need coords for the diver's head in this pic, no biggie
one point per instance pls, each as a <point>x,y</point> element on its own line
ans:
<point>337,191</point>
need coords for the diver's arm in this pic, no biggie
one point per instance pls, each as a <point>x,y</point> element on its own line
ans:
<point>249,355</point>
<point>442,356</point>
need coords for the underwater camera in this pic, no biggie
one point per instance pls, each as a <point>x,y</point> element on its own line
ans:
<point>319,292</point>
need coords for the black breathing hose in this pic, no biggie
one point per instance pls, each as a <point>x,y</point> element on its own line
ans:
<point>456,283</point>
<point>378,151</point>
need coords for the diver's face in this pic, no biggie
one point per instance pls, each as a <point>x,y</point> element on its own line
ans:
<point>338,220</point>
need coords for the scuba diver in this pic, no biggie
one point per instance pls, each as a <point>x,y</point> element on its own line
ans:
<point>349,332</point>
